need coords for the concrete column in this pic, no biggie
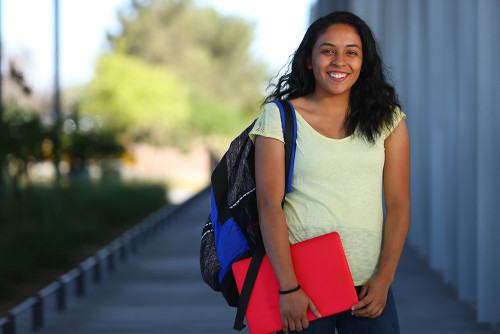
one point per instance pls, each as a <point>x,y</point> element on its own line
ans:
<point>488,154</point>
<point>449,90</point>
<point>321,8</point>
<point>371,12</point>
<point>466,26</point>
<point>436,123</point>
<point>418,125</point>
<point>395,46</point>
<point>442,73</point>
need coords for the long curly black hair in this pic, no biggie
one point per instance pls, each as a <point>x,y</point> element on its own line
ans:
<point>372,101</point>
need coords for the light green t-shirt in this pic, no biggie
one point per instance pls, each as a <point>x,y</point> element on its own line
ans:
<point>336,186</point>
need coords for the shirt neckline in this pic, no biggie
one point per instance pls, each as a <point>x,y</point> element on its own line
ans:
<point>317,133</point>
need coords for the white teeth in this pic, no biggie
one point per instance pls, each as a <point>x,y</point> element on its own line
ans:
<point>338,75</point>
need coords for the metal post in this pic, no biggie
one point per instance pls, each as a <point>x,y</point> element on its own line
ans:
<point>2,184</point>
<point>123,252</point>
<point>4,325</point>
<point>61,295</point>
<point>97,270</point>
<point>57,101</point>
<point>11,325</point>
<point>1,77</point>
<point>133,244</point>
<point>80,282</point>
<point>37,313</point>
<point>111,261</point>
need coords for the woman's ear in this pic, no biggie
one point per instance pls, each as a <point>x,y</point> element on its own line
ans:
<point>308,64</point>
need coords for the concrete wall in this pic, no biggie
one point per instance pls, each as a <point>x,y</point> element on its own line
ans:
<point>443,56</point>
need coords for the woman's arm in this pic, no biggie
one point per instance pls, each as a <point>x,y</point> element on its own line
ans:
<point>270,183</point>
<point>373,295</point>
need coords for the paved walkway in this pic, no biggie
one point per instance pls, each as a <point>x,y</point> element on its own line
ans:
<point>161,291</point>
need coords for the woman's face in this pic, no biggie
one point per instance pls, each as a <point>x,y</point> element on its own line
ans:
<point>336,60</point>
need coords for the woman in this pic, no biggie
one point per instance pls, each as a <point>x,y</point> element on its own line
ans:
<point>351,139</point>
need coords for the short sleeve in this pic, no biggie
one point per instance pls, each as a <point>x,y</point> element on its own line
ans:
<point>268,124</point>
<point>398,116</point>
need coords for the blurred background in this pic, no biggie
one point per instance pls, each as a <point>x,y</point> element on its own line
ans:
<point>112,109</point>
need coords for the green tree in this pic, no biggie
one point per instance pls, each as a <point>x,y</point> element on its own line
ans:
<point>176,71</point>
<point>21,137</point>
<point>82,141</point>
<point>128,94</point>
<point>209,51</point>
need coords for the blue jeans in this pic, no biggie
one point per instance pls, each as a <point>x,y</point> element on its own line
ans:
<point>345,323</point>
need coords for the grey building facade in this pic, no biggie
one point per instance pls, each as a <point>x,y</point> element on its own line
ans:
<point>444,59</point>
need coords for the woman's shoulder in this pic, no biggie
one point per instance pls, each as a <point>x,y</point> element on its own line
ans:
<point>269,107</point>
<point>397,116</point>
<point>268,124</point>
<point>270,112</point>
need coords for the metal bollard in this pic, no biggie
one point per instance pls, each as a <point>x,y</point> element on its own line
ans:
<point>123,252</point>
<point>97,270</point>
<point>37,313</point>
<point>10,326</point>
<point>80,282</point>
<point>111,261</point>
<point>61,296</point>
<point>133,244</point>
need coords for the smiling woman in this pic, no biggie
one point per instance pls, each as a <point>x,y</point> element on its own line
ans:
<point>351,140</point>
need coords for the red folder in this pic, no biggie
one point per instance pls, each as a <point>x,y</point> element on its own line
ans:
<point>322,271</point>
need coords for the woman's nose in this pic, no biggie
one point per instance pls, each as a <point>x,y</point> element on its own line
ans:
<point>338,60</point>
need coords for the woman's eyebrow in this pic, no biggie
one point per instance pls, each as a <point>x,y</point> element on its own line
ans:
<point>347,46</point>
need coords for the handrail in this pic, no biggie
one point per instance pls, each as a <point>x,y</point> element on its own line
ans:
<point>106,258</point>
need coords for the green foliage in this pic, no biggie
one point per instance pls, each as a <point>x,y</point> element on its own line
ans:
<point>176,71</point>
<point>127,93</point>
<point>66,218</point>
<point>82,141</point>
<point>210,51</point>
<point>83,146</point>
<point>209,114</point>
<point>21,136</point>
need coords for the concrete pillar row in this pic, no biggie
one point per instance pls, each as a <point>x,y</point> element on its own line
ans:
<point>443,56</point>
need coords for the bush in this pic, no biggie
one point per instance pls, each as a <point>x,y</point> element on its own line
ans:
<point>60,221</point>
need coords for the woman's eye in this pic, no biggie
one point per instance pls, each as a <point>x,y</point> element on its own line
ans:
<point>326,52</point>
<point>352,53</point>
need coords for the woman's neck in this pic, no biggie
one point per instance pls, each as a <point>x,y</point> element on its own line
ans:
<point>330,103</point>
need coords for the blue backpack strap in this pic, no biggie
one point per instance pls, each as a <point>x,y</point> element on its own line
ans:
<point>289,126</point>
<point>290,137</point>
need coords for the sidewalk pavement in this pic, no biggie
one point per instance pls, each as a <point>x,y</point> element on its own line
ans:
<point>161,291</point>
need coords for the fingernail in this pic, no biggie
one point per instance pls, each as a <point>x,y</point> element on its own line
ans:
<point>353,308</point>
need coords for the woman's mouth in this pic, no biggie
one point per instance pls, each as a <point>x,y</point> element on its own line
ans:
<point>338,76</point>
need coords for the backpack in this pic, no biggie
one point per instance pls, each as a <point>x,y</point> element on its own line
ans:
<point>231,232</point>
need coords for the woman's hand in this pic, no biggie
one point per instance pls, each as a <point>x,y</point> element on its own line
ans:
<point>372,298</point>
<point>293,310</point>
